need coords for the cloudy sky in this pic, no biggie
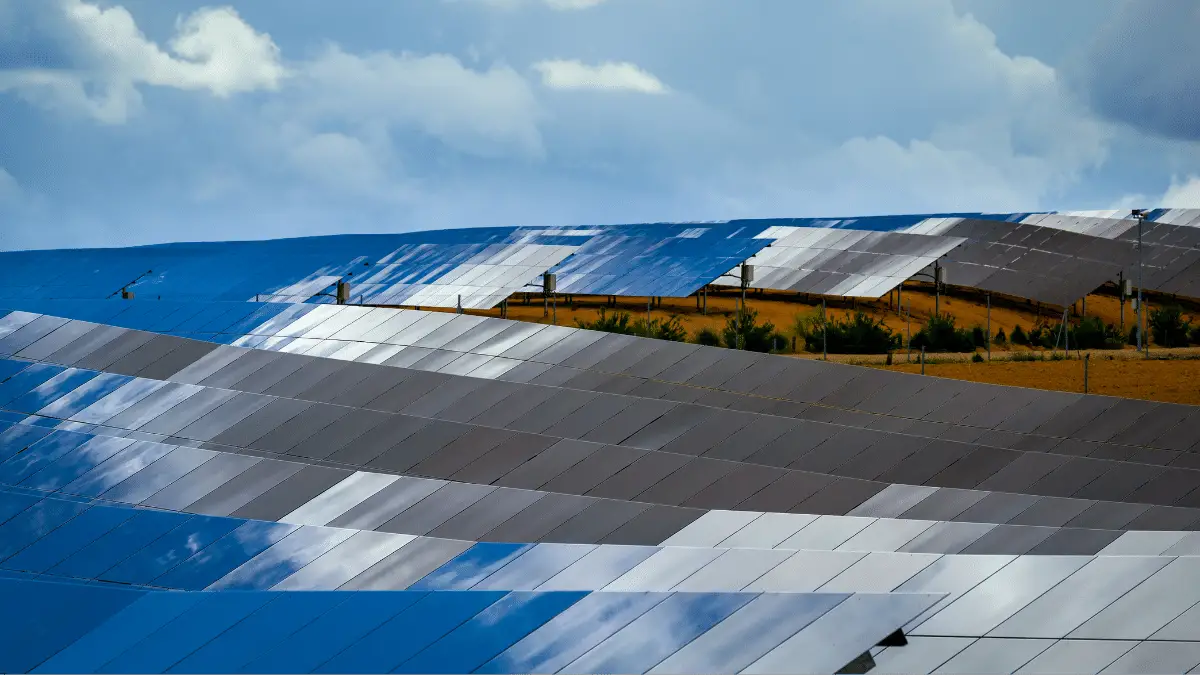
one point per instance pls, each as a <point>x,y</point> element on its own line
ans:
<point>139,121</point>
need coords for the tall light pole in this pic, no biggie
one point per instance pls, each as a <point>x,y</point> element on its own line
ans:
<point>1140,214</point>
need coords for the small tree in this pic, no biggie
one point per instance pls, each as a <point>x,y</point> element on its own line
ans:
<point>859,334</point>
<point>708,337</point>
<point>1168,326</point>
<point>748,334</point>
<point>1019,337</point>
<point>617,322</point>
<point>1001,338</point>
<point>670,328</point>
<point>941,335</point>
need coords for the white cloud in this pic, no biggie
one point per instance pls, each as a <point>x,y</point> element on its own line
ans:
<point>488,113</point>
<point>560,5</point>
<point>1182,195</point>
<point>608,76</point>
<point>213,50</point>
<point>10,191</point>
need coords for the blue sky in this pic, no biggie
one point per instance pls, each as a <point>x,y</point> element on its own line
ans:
<point>143,121</point>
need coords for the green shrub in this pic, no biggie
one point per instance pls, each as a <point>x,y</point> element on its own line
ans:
<point>617,322</point>
<point>708,337</point>
<point>978,358</point>
<point>1168,327</point>
<point>748,334</point>
<point>1131,339</point>
<point>1019,337</point>
<point>1001,338</point>
<point>670,328</point>
<point>940,335</point>
<point>978,336</point>
<point>859,334</point>
<point>1194,335</point>
<point>1092,333</point>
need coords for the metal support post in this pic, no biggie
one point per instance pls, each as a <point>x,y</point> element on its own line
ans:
<point>1141,218</point>
<point>989,328</point>
<point>704,301</point>
<point>922,359</point>
<point>824,334</point>
<point>908,319</point>
<point>937,289</point>
<point>1087,358</point>
<point>554,309</point>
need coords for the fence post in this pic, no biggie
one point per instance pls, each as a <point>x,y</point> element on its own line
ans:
<point>922,359</point>
<point>1087,358</point>
<point>824,336</point>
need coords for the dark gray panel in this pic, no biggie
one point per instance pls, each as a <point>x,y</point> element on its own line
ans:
<point>616,384</point>
<point>85,345</point>
<point>416,385</point>
<point>802,439</point>
<point>110,352</point>
<point>594,469</point>
<point>535,521</point>
<point>291,493</point>
<point>1165,518</point>
<point>1009,540</point>
<point>972,468</point>
<point>201,481</point>
<point>639,476</point>
<point>135,414</point>
<point>1069,478</point>
<point>997,507</point>
<point>629,421</point>
<point>504,412</point>
<point>345,378</point>
<point>1166,489</point>
<point>945,504</point>
<point>855,391</point>
<point>595,522</point>
<point>460,452</point>
<point>783,495</point>
<point>185,354</point>
<point>549,463</point>
<point>1020,474</point>
<point>447,502</point>
<point>756,376</point>
<point>667,355</point>
<point>1122,415</point>
<point>524,372</point>
<point>384,379</point>
<point>692,365</point>
<point>1076,542</point>
<point>378,440</point>
<point>155,349</point>
<point>407,565</point>
<point>486,514</point>
<point>340,433</point>
<point>504,458</point>
<point>239,491</point>
<point>589,356</point>
<point>261,422</point>
<point>309,374</point>
<point>1118,483</point>
<point>222,417</point>
<point>730,364</point>
<point>56,340</point>
<point>839,497</point>
<point>551,411</point>
<point>881,456</point>
<point>434,402</point>
<point>749,440</point>
<point>686,481</point>
<point>288,436</point>
<point>240,368</point>
<point>1076,416</point>
<point>652,526</point>
<point>1108,516</point>
<point>272,373</point>
<point>735,487</point>
<point>488,394</point>
<point>600,410</point>
<point>669,427</point>
<point>836,451</point>
<point>717,426</point>
<point>419,446</point>
<point>386,504</point>
<point>1153,424</point>
<point>1051,512</point>
<point>30,333</point>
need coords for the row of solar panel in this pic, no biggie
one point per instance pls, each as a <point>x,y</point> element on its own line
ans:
<point>202,481</point>
<point>1035,465</point>
<point>414,339</point>
<point>118,630</point>
<point>1111,597</point>
<point>248,421</point>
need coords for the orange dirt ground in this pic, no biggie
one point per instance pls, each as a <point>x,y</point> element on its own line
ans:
<point>1121,373</point>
